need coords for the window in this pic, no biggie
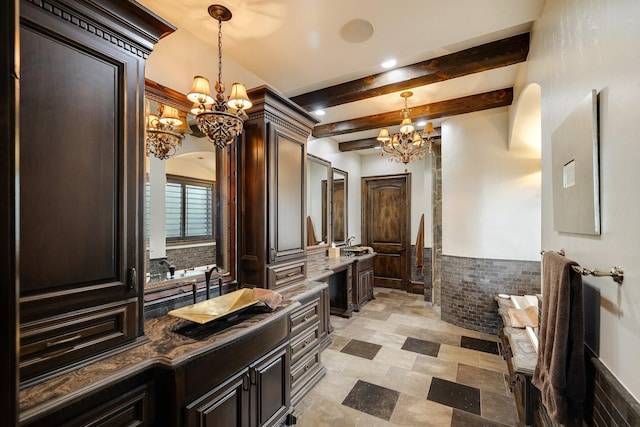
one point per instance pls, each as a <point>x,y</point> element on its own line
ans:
<point>189,209</point>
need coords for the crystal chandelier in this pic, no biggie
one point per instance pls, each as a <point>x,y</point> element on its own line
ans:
<point>164,136</point>
<point>212,115</point>
<point>409,144</point>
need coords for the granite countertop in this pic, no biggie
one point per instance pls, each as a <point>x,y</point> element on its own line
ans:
<point>161,346</point>
<point>321,267</point>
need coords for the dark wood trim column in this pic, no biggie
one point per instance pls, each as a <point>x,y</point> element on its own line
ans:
<point>8,254</point>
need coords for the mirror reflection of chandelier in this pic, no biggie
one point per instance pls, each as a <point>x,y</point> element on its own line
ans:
<point>165,133</point>
<point>212,115</point>
<point>409,144</point>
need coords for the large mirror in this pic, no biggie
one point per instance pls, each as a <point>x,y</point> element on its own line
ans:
<point>318,214</point>
<point>339,206</point>
<point>187,217</point>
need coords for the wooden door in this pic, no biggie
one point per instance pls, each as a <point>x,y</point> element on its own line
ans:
<point>386,215</point>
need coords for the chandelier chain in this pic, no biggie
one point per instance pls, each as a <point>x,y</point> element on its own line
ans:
<point>220,51</point>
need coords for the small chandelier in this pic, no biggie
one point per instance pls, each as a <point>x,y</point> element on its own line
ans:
<point>212,116</point>
<point>164,136</point>
<point>409,144</point>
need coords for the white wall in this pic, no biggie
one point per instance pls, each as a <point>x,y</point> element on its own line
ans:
<point>375,165</point>
<point>327,149</point>
<point>577,46</point>
<point>490,195</point>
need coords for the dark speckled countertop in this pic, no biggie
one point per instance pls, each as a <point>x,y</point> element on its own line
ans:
<point>161,346</point>
<point>321,267</point>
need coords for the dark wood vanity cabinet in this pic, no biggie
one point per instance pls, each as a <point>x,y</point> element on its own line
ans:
<point>81,171</point>
<point>243,383</point>
<point>271,191</point>
<point>340,290</point>
<point>255,396</point>
<point>130,402</point>
<point>305,338</point>
<point>363,282</point>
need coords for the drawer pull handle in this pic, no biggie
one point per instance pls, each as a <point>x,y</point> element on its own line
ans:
<point>55,353</point>
<point>306,367</point>
<point>291,274</point>
<point>305,343</point>
<point>305,318</point>
<point>63,341</point>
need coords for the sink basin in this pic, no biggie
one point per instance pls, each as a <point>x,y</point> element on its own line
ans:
<point>356,250</point>
<point>215,308</point>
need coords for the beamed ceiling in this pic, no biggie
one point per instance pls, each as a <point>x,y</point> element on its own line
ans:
<point>456,58</point>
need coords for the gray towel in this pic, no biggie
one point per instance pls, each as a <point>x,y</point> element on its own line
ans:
<point>560,370</point>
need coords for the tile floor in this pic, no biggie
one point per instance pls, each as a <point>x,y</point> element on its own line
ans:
<point>396,363</point>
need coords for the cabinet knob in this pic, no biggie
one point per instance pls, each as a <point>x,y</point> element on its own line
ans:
<point>272,254</point>
<point>305,343</point>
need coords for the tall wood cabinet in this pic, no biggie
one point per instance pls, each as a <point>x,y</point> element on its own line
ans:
<point>81,173</point>
<point>271,191</point>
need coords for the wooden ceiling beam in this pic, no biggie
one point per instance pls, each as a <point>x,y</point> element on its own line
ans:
<point>450,107</point>
<point>501,53</point>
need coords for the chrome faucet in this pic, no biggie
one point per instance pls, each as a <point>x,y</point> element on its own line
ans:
<point>350,240</point>
<point>171,267</point>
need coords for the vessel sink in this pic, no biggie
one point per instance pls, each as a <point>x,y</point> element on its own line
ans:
<point>215,308</point>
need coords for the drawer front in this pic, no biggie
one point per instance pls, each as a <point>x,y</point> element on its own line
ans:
<point>305,316</point>
<point>304,368</point>
<point>281,275</point>
<point>365,264</point>
<point>307,341</point>
<point>51,343</point>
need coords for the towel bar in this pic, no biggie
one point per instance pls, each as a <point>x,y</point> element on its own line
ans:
<point>616,273</point>
<point>561,252</point>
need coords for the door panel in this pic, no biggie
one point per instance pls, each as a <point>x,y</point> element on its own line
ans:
<point>386,218</point>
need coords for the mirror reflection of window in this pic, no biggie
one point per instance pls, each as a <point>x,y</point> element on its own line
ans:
<point>189,209</point>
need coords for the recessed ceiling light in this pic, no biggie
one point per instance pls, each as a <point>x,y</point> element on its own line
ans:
<point>390,63</point>
<point>377,147</point>
<point>319,112</point>
<point>421,123</point>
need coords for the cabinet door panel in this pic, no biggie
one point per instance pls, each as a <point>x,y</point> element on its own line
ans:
<point>287,203</point>
<point>69,154</point>
<point>271,379</point>
<point>225,406</point>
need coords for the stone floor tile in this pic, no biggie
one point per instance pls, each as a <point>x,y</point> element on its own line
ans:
<point>465,419</point>
<point>396,358</point>
<point>483,379</point>
<point>436,367</point>
<point>456,395</point>
<point>460,355</point>
<point>372,399</point>
<point>362,349</point>
<point>419,412</point>
<point>409,382</point>
<point>498,407</point>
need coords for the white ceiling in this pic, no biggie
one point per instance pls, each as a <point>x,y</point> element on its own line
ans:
<point>296,45</point>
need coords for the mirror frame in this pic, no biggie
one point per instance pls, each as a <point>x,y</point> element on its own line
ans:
<point>225,182</point>
<point>326,202</point>
<point>345,218</point>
